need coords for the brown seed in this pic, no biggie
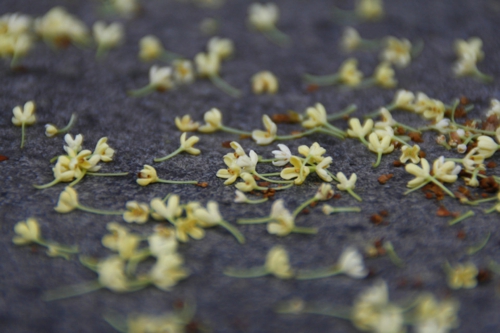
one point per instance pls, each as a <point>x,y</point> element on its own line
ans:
<point>400,131</point>
<point>256,177</point>
<point>313,204</point>
<point>464,100</point>
<point>489,184</point>
<point>483,276</point>
<point>202,184</point>
<point>244,136</point>
<point>312,88</point>
<point>491,165</point>
<point>305,211</point>
<point>422,154</point>
<point>3,158</point>
<point>385,178</point>
<point>337,196</point>
<point>397,163</point>
<point>296,132</point>
<point>384,213</point>
<point>461,234</point>
<point>379,243</point>
<point>376,219</point>
<point>264,184</point>
<point>226,144</point>
<point>415,137</point>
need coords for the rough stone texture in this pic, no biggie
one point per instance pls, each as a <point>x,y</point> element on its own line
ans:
<point>139,129</point>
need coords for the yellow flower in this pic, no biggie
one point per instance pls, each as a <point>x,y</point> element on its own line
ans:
<point>186,124</point>
<point>249,184</point>
<point>112,275</point>
<point>108,36</point>
<point>221,47</point>
<point>136,212</point>
<point>183,71</point>
<point>282,222</point>
<point>435,110</point>
<point>472,46</point>
<point>73,144</point>
<point>356,131</point>
<point>187,145</point>
<point>397,51</point>
<point>188,227</point>
<point>370,10</point>
<point>170,211</point>
<point>384,76</point>
<point>486,146</point>
<point>27,232</point>
<point>278,264</point>
<point>421,174</point>
<point>103,150</point>
<point>51,130</point>
<point>295,171</point>
<point>379,146</point>
<point>283,155</point>
<point>160,78</point>
<point>387,119</point>
<point>238,149</point>
<point>208,217</point>
<point>147,176</point>
<point>263,17</point>
<point>150,48</point>
<point>68,201</point>
<point>121,240</point>
<point>445,171</point>
<point>349,73</point>
<point>232,172</point>
<point>403,99</point>
<point>494,108</point>
<point>62,171</point>
<point>324,192</point>
<point>346,184</point>
<point>471,161</point>
<point>168,271</point>
<point>350,40</point>
<point>61,28</point>
<point>213,121</point>
<point>321,169</point>
<point>248,163</point>
<point>163,241</point>
<point>410,153</point>
<point>264,82</point>
<point>24,116</point>
<point>268,136</point>
<point>317,116</point>
<point>433,316</point>
<point>207,64</point>
<point>462,276</point>
<point>145,323</point>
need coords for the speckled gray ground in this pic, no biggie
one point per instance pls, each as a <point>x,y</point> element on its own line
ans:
<point>139,129</point>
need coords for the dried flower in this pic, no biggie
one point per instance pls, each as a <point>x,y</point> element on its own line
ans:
<point>264,82</point>
<point>397,51</point>
<point>268,136</point>
<point>462,276</point>
<point>136,212</point>
<point>24,117</point>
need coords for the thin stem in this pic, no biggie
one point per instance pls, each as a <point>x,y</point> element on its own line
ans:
<point>234,131</point>
<point>174,153</point>
<point>169,56</point>
<point>370,82</point>
<point>332,175</point>
<point>101,52</point>
<point>224,86</point>
<point>277,37</point>
<point>416,50</point>
<point>270,174</point>
<point>254,221</point>
<point>335,129</point>
<point>408,128</point>
<point>194,182</point>
<point>347,111</point>
<point>398,139</point>
<point>363,140</point>
<point>333,210</point>
<point>117,323</point>
<point>329,132</point>
<point>491,210</point>
<point>279,188</point>
<point>296,136</point>
<point>305,230</point>
<point>476,202</point>
<point>247,273</point>
<point>453,109</point>
<point>325,80</point>
<point>354,195</point>
<point>318,274</point>
<point>327,313</point>
<point>23,125</point>
<point>483,77</point>
<point>475,249</point>
<point>416,188</point>
<point>271,180</point>
<point>52,183</point>
<point>396,260</point>
<point>470,138</point>
<point>70,124</point>
<point>444,188</point>
<point>232,229</point>
<point>373,114</point>
<point>303,205</point>
<point>142,91</point>
<point>71,291</point>
<point>379,158</point>
<point>461,218</point>
<point>76,181</point>
<point>257,201</point>
<point>103,174</point>
<point>476,130</point>
<point>99,211</point>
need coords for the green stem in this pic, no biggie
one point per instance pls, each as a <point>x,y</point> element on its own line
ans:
<point>476,130</point>
<point>398,139</point>
<point>232,229</point>
<point>491,210</point>
<point>304,230</point>
<point>347,111</point>
<point>416,188</point>
<point>369,45</point>
<point>23,125</point>
<point>254,221</point>
<point>248,273</point>
<point>277,37</point>
<point>270,174</point>
<point>135,260</point>
<point>370,82</point>
<point>329,132</point>
<point>234,131</point>
<point>325,312</point>
<point>453,109</point>
<point>344,209</point>
<point>76,181</point>
<point>70,124</point>
<point>461,218</point>
<point>408,128</point>
<point>476,202</point>
<point>99,211</point>
<point>396,260</point>
<point>164,158</point>
<point>299,135</point>
<point>494,267</point>
<point>257,201</point>
<point>470,138</point>
<point>194,182</point>
<point>103,174</point>
<point>444,188</point>
<point>280,188</point>
<point>169,56</point>
<point>363,141</point>
<point>224,86</point>
<point>142,91</point>
<point>303,205</point>
<point>416,50</point>
<point>117,323</point>
<point>101,52</point>
<point>354,195</point>
<point>52,183</point>
<point>325,80</point>
<point>271,180</point>
<point>71,291</point>
<point>483,77</point>
<point>335,129</point>
<point>318,274</point>
<point>333,176</point>
<point>373,114</point>
<point>474,249</point>
<point>379,158</point>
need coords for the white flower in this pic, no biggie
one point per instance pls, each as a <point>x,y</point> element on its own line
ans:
<point>324,192</point>
<point>136,212</point>
<point>125,7</point>
<point>111,274</point>
<point>371,10</point>
<point>383,146</point>
<point>210,216</point>
<point>264,82</point>
<point>356,131</point>
<point>387,119</point>
<point>27,232</point>
<point>295,171</point>
<point>432,316</point>
<point>160,78</point>
<point>315,152</point>
<point>121,240</point>
<point>268,136</point>
<point>168,271</point>
<point>186,124</point>
<point>162,241</point>
<point>443,125</point>
<point>238,149</point>
<point>147,176</point>
<point>471,161</point>
<point>282,155</point>
<point>263,17</point>
<point>170,211</point>
<point>51,130</point>
<point>213,121</point>
<point>108,36</point>
<point>15,24</point>
<point>397,51</point>
<point>207,64</point>
<point>68,201</point>
<point>188,145</point>
<point>248,163</point>
<point>466,65</point>
<point>321,169</point>
<point>60,28</point>
<point>221,47</point>
<point>351,263</point>
<point>240,197</point>
<point>24,116</point>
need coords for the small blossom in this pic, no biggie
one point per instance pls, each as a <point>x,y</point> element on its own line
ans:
<point>73,144</point>
<point>160,78</point>
<point>268,136</point>
<point>210,216</point>
<point>380,146</point>
<point>207,64</point>
<point>315,152</point>
<point>324,192</point>
<point>282,156</point>
<point>356,131</point>
<point>103,150</point>
<point>112,275</point>
<point>403,99</point>
<point>68,201</point>
<point>263,17</point>
<point>213,121</point>
<point>472,46</point>
<point>494,108</point>
<point>278,264</point>
<point>487,146</point>
<point>349,73</point>
<point>186,124</point>
<point>434,111</point>
<point>351,263</point>
<point>445,171</point>
<point>168,271</point>
<point>295,171</point>
<point>282,222</point>
<point>60,28</point>
<point>121,240</point>
<point>248,163</point>
<point>350,40</point>
<point>187,145</point>
<point>183,71</point>
<point>461,148</point>
<point>433,316</point>
<point>346,184</point>
<point>249,184</point>
<point>422,103</point>
<point>443,125</point>
<point>370,10</point>
<point>321,169</point>
<point>387,119</point>
<point>162,241</point>
<point>232,172</point>
<point>384,76</point>
<point>125,7</point>
<point>410,153</point>
<point>264,82</point>
<point>463,276</point>
<point>397,51</point>
<point>27,232</point>
<point>473,160</point>
<point>422,174</point>
<point>238,150</point>
<point>150,48</point>
<point>136,212</point>
<point>221,47</point>
<point>170,211</point>
<point>185,228</point>
<point>24,117</point>
<point>240,197</point>
<point>147,176</point>
<point>316,116</point>
<point>109,36</point>
<point>51,130</point>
